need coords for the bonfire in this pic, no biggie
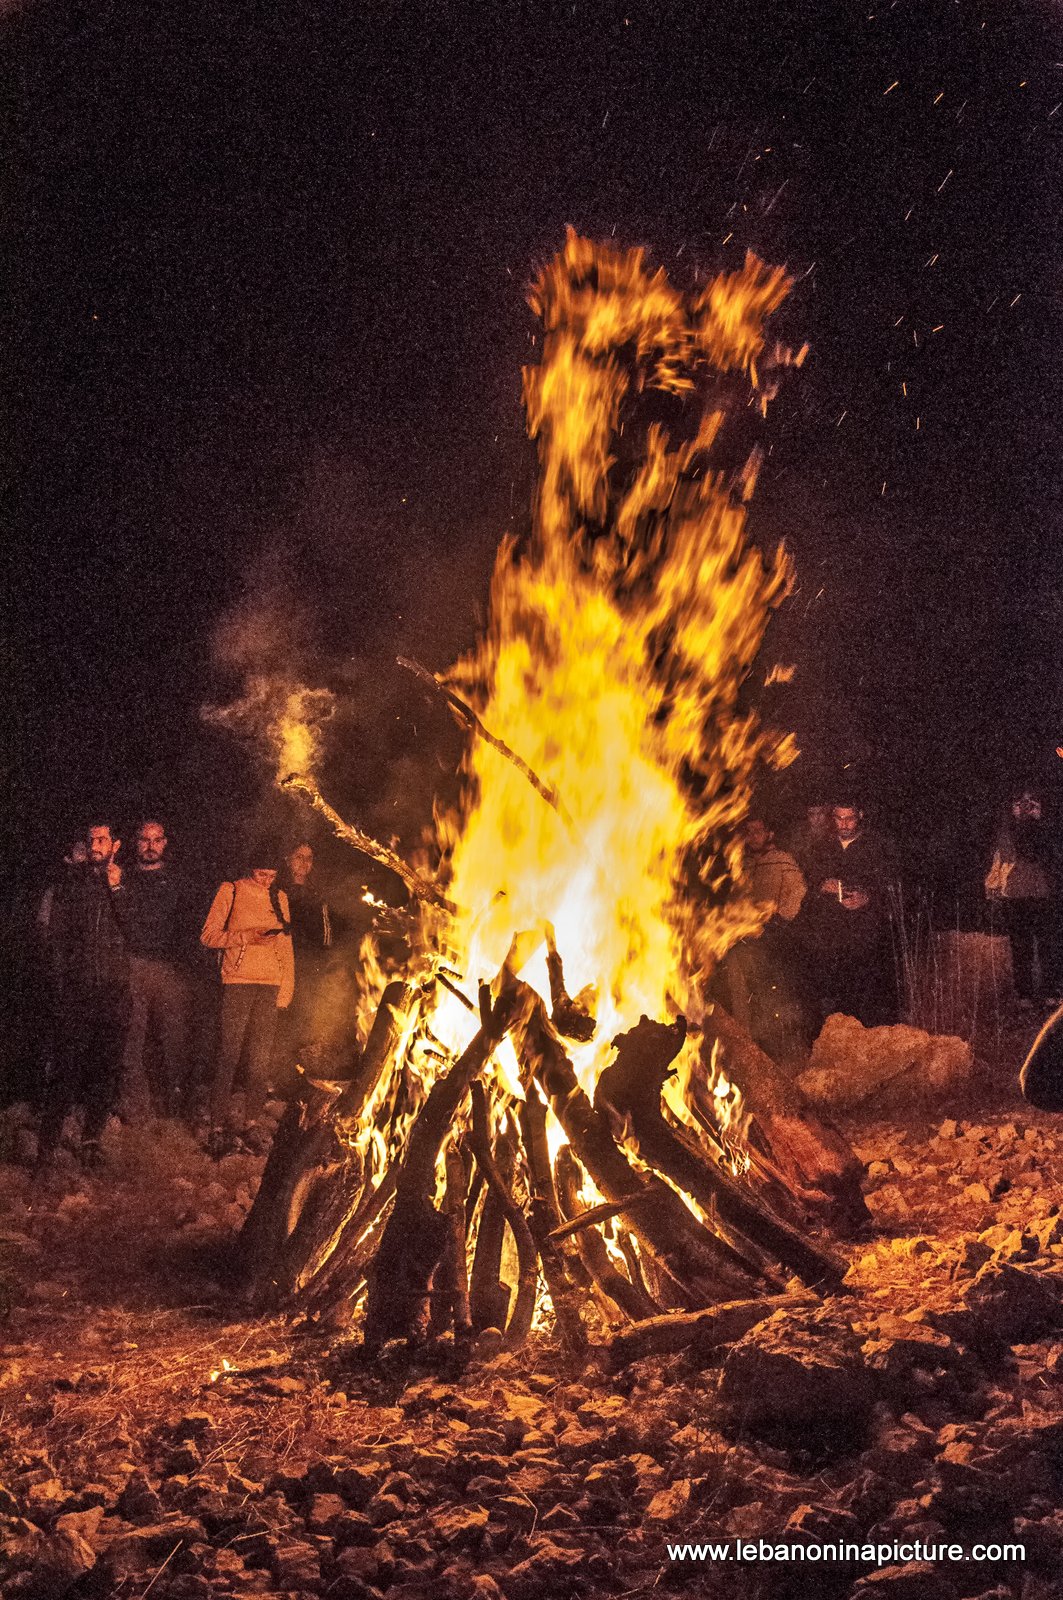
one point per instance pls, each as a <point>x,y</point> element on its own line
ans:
<point>546,1116</point>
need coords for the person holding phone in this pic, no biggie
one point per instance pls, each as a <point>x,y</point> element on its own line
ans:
<point>250,925</point>
<point>88,971</point>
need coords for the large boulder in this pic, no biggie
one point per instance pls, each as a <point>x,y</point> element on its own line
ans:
<point>883,1068</point>
<point>798,1378</point>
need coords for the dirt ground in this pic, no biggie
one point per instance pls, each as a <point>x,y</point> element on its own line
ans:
<point>155,1440</point>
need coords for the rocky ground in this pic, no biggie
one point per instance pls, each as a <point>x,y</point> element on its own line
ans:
<point>153,1440</point>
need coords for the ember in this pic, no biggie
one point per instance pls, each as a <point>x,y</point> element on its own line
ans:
<point>585,889</point>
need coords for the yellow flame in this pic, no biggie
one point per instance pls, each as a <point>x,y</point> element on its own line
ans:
<point>619,638</point>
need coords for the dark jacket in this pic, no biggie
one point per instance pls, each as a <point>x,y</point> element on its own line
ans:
<point>86,947</point>
<point>311,922</point>
<point>154,912</point>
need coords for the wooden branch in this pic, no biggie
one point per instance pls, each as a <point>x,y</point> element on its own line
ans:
<point>420,887</point>
<point>595,1214</point>
<point>520,1321</point>
<point>466,714</point>
<point>816,1161</point>
<point>632,1085</point>
<point>695,1258</point>
<point>543,1217</point>
<point>413,1239</point>
<point>630,1297</point>
<point>703,1332</point>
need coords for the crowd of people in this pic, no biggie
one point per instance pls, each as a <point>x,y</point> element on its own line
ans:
<point>838,907</point>
<point>123,952</point>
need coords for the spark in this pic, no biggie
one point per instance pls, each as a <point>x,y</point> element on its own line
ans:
<point>899,320</point>
<point>1055,108</point>
<point>939,96</point>
<point>883,486</point>
<point>917,424</point>
<point>945,179</point>
<point>938,328</point>
<point>1016,300</point>
<point>908,213</point>
<point>842,418</point>
<point>933,258</point>
<point>891,88</point>
<point>904,390</point>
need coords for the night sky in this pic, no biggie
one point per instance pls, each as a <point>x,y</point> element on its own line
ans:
<point>269,322</point>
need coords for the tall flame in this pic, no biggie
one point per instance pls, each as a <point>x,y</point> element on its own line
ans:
<point>619,638</point>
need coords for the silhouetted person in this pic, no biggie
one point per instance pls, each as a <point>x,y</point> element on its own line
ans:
<point>152,907</point>
<point>88,969</point>
<point>761,975</point>
<point>1024,879</point>
<point>299,1029</point>
<point>845,919</point>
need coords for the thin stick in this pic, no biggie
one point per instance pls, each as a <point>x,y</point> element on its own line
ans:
<point>465,713</point>
<point>602,1213</point>
<point>422,888</point>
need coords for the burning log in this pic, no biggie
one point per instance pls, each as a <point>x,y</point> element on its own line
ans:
<point>312,1184</point>
<point>632,1086</point>
<point>490,1296</point>
<point>701,1266</point>
<point>414,1235</point>
<point>543,1219</point>
<point>420,887</point>
<point>631,1298</point>
<point>814,1160</point>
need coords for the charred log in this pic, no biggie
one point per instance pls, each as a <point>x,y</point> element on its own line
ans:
<point>631,1086</point>
<point>707,1269</point>
<point>491,1296</point>
<point>812,1156</point>
<point>414,1235</point>
<point>631,1298</point>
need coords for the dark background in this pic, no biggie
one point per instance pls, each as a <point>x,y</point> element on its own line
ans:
<point>269,321</point>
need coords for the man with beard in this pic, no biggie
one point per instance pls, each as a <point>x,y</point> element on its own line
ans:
<point>89,974</point>
<point>151,905</point>
<point>845,920</point>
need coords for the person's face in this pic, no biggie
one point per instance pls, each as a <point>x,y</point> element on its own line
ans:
<point>1027,808</point>
<point>263,876</point>
<point>846,822</point>
<point>151,844</point>
<point>758,836</point>
<point>101,845</point>
<point>818,819</point>
<point>79,853</point>
<point>301,863</point>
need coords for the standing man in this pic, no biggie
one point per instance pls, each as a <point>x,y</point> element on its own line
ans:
<point>151,905</point>
<point>250,924</point>
<point>89,972</point>
<point>846,919</point>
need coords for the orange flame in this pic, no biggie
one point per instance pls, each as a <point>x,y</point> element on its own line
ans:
<point>619,638</point>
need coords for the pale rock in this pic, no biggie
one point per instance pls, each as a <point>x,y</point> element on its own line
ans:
<point>852,1065</point>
